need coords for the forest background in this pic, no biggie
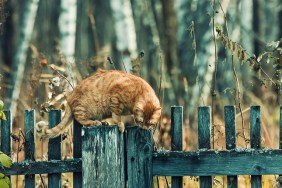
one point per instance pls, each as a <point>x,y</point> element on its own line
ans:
<point>193,53</point>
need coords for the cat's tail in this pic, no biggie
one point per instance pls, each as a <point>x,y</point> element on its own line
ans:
<point>56,131</point>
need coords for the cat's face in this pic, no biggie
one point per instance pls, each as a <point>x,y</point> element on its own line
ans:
<point>148,115</point>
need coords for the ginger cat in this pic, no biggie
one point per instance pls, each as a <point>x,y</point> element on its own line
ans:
<point>109,93</point>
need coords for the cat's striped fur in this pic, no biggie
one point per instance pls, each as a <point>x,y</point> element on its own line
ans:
<point>109,93</point>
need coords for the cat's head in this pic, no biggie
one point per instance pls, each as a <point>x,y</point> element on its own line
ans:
<point>148,115</point>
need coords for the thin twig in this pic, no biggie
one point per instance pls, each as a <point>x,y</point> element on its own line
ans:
<point>161,76</point>
<point>215,71</point>
<point>238,95</point>
<point>237,87</point>
<point>122,60</point>
<point>111,62</point>
<point>17,158</point>
<point>58,72</point>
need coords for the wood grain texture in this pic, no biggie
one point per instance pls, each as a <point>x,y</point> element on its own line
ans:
<point>43,167</point>
<point>230,136</point>
<point>77,152</point>
<point>6,127</point>
<point>176,139</point>
<point>139,157</point>
<point>29,147</point>
<point>5,131</point>
<point>173,163</point>
<point>103,157</point>
<point>54,147</point>
<point>280,141</point>
<point>204,136</point>
<point>255,139</point>
<point>211,163</point>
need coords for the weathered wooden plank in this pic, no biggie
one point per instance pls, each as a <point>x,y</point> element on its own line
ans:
<point>54,148</point>
<point>230,137</point>
<point>173,163</point>
<point>77,152</point>
<point>139,157</point>
<point>255,139</point>
<point>204,123</point>
<point>43,167</point>
<point>6,129</point>
<point>210,162</point>
<point>280,141</point>
<point>176,138</point>
<point>280,126</point>
<point>29,148</point>
<point>103,157</point>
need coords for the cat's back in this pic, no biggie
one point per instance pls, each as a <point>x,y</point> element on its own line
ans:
<point>106,82</point>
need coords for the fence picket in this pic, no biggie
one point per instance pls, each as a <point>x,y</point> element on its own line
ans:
<point>103,157</point>
<point>54,148</point>
<point>77,152</point>
<point>255,139</point>
<point>204,122</point>
<point>139,157</point>
<point>280,142</point>
<point>230,136</point>
<point>29,148</point>
<point>6,129</point>
<point>176,139</point>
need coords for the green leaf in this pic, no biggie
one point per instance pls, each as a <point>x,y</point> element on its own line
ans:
<point>2,116</point>
<point>5,160</point>
<point>1,105</point>
<point>4,181</point>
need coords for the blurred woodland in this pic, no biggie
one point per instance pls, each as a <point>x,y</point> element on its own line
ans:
<point>192,52</point>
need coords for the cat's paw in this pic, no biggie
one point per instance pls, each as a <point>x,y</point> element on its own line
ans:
<point>92,123</point>
<point>105,123</point>
<point>121,127</point>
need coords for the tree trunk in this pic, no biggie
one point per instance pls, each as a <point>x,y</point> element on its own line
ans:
<point>170,46</point>
<point>19,61</point>
<point>196,55</point>
<point>258,17</point>
<point>67,26</point>
<point>125,31</point>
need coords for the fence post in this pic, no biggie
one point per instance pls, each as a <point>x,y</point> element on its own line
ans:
<point>102,157</point>
<point>29,148</point>
<point>54,148</point>
<point>230,137</point>
<point>280,141</point>
<point>255,139</point>
<point>204,136</point>
<point>77,153</point>
<point>139,157</point>
<point>6,129</point>
<point>176,139</point>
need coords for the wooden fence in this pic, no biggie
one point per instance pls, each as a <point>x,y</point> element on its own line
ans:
<point>103,157</point>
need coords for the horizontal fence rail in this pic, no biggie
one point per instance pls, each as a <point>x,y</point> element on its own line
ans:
<point>131,157</point>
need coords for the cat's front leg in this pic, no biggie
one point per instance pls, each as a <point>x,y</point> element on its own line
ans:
<point>138,114</point>
<point>117,120</point>
<point>116,109</point>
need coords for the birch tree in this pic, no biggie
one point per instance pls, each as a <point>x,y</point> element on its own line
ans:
<point>196,53</point>
<point>125,31</point>
<point>67,26</point>
<point>19,61</point>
